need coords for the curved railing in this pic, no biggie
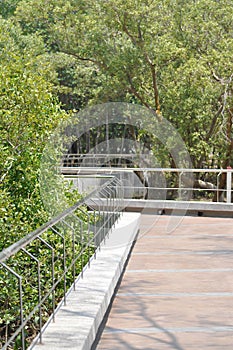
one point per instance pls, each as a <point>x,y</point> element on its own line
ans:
<point>37,271</point>
<point>157,183</point>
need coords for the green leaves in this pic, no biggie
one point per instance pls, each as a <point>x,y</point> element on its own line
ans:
<point>172,55</point>
<point>28,113</point>
<point>7,7</point>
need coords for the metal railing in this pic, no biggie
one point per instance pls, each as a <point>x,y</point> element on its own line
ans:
<point>37,271</point>
<point>98,159</point>
<point>165,183</point>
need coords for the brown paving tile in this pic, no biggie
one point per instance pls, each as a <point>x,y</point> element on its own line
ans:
<point>186,219</point>
<point>187,230</point>
<point>180,261</point>
<point>180,244</point>
<point>160,225</point>
<point>214,282</point>
<point>167,341</point>
<point>170,312</point>
<point>180,296</point>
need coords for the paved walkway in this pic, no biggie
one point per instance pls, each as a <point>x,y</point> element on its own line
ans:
<point>177,290</point>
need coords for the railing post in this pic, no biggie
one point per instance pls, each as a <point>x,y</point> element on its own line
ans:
<point>23,345</point>
<point>229,179</point>
<point>180,185</point>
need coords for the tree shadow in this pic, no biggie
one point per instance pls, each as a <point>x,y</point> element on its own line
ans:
<point>150,334</point>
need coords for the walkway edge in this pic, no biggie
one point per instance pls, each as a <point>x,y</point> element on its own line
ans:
<point>77,323</point>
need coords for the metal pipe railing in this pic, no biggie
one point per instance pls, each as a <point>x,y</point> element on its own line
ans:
<point>107,170</point>
<point>37,271</point>
<point>180,186</point>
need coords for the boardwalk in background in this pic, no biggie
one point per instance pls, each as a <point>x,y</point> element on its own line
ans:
<point>177,290</point>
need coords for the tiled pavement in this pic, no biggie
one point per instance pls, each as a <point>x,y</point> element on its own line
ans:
<point>177,290</point>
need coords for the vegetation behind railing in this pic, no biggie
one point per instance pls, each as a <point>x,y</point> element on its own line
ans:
<point>36,272</point>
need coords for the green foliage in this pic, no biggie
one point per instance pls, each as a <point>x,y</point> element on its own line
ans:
<point>8,7</point>
<point>172,56</point>
<point>29,113</point>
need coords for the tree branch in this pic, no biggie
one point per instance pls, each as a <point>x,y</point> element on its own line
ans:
<point>135,92</point>
<point>125,29</point>
<point>156,91</point>
<point>139,43</point>
<point>7,171</point>
<point>214,121</point>
<point>85,59</point>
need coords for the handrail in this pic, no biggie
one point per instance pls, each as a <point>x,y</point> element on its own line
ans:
<point>15,247</point>
<point>117,169</point>
<point>187,183</point>
<point>78,232</point>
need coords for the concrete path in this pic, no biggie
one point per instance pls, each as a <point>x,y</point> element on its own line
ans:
<point>177,290</point>
<point>76,323</point>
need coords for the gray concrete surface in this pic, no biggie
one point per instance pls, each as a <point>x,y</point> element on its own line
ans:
<point>77,323</point>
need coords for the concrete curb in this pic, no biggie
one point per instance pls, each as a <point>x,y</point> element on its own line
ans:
<point>77,323</point>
